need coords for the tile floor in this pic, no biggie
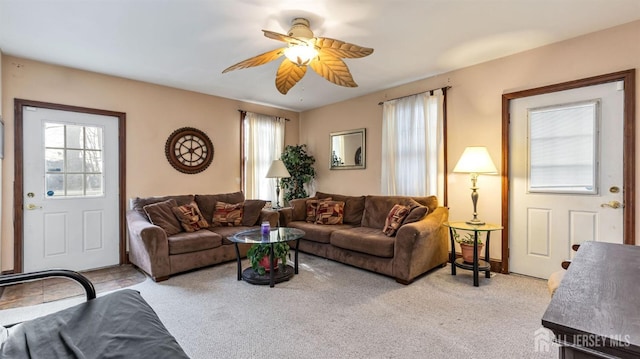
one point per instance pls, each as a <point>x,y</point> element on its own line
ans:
<point>48,290</point>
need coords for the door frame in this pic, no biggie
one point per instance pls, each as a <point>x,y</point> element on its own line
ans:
<point>18,185</point>
<point>628,177</point>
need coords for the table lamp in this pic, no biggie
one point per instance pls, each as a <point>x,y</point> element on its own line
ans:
<point>277,170</point>
<point>475,160</point>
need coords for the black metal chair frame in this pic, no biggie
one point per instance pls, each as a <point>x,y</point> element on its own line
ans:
<point>86,284</point>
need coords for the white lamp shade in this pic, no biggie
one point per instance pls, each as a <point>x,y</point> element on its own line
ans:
<point>277,170</point>
<point>475,160</point>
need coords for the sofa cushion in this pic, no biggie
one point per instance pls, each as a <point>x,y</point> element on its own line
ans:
<point>190,217</point>
<point>430,202</point>
<point>207,202</point>
<point>417,213</point>
<point>365,240</point>
<point>227,214</point>
<point>138,203</point>
<point>394,220</point>
<point>353,206</point>
<point>187,242</point>
<point>299,208</point>
<point>228,232</point>
<point>251,211</point>
<point>330,212</point>
<point>376,208</point>
<point>312,208</point>
<point>161,215</point>
<point>317,233</point>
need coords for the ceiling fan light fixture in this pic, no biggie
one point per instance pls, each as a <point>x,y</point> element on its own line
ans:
<point>322,54</point>
<point>300,55</point>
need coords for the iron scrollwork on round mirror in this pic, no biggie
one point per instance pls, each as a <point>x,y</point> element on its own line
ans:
<point>189,150</point>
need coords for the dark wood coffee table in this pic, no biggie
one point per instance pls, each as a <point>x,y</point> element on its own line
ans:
<point>276,235</point>
<point>594,313</point>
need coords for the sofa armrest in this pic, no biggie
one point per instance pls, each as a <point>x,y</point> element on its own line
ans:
<point>148,246</point>
<point>286,216</point>
<point>421,246</point>
<point>270,216</point>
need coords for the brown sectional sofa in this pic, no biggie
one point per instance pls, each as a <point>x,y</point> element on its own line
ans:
<point>161,255</point>
<point>416,247</point>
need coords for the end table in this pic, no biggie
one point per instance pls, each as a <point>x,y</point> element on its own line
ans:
<point>478,264</point>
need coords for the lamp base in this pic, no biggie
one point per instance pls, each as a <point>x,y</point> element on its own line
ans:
<point>475,222</point>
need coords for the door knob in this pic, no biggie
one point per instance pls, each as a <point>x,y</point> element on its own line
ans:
<point>32,206</point>
<point>611,204</point>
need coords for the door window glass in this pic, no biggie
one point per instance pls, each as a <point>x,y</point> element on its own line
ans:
<point>563,147</point>
<point>73,160</point>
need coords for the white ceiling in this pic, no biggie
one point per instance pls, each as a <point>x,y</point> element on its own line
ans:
<point>187,43</point>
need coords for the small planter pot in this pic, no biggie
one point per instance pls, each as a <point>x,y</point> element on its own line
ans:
<point>467,251</point>
<point>266,263</point>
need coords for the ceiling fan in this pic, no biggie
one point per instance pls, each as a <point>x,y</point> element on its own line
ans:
<point>322,54</point>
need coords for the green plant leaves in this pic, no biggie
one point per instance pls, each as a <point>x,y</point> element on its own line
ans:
<point>300,166</point>
<point>259,251</point>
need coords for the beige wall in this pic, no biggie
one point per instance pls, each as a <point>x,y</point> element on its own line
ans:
<point>153,112</point>
<point>474,113</point>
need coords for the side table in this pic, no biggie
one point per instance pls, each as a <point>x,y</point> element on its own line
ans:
<point>478,264</point>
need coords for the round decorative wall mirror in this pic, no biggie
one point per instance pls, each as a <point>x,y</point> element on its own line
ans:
<point>189,150</point>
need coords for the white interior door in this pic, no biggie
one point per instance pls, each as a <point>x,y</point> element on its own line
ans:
<point>70,190</point>
<point>566,172</point>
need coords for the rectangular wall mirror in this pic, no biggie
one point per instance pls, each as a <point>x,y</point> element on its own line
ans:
<point>348,149</point>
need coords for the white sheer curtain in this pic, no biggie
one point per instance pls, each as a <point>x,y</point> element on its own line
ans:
<point>413,146</point>
<point>263,143</point>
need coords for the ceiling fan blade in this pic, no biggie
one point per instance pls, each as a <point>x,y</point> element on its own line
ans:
<point>257,60</point>
<point>342,49</point>
<point>288,75</point>
<point>333,69</point>
<point>284,38</point>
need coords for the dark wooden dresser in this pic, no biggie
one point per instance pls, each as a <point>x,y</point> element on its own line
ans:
<point>595,313</point>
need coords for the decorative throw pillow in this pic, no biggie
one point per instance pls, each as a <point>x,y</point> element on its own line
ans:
<point>190,217</point>
<point>394,219</point>
<point>251,210</point>
<point>312,208</point>
<point>161,215</point>
<point>330,212</point>
<point>227,215</point>
<point>417,213</point>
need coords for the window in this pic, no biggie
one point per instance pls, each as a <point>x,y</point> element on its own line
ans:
<point>413,145</point>
<point>263,141</point>
<point>563,144</point>
<point>73,160</point>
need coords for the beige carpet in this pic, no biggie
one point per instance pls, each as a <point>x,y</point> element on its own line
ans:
<point>331,310</point>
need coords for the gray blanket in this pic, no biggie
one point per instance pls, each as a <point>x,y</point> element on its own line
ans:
<point>117,325</point>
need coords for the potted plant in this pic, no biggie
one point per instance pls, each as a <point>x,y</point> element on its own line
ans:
<point>258,256</point>
<point>300,167</point>
<point>466,245</point>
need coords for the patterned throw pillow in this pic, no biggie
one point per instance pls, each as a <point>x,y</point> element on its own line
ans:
<point>161,215</point>
<point>227,215</point>
<point>330,212</point>
<point>312,208</point>
<point>394,219</point>
<point>190,217</point>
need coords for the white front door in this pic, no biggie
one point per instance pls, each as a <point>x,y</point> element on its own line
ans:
<point>566,170</point>
<point>71,195</point>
